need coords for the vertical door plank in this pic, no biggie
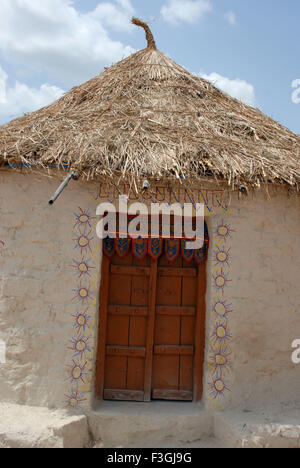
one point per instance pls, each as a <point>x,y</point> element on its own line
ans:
<point>186,373</point>
<point>166,372</point>
<point>166,368</point>
<point>117,330</point>
<point>138,328</point>
<point>150,330</point>
<point>103,306</point>
<point>200,333</point>
<point>167,330</point>
<point>115,373</point>
<point>136,374</point>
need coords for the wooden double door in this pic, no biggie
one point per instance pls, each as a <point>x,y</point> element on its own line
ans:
<point>151,329</point>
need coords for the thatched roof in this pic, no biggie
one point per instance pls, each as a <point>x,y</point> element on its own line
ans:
<point>146,116</point>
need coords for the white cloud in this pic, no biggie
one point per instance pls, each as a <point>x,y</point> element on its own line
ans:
<point>186,11</point>
<point>20,98</point>
<point>237,88</point>
<point>230,17</point>
<point>3,80</point>
<point>114,16</point>
<point>52,36</point>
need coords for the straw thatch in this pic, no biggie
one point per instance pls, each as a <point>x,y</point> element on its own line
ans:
<point>148,117</point>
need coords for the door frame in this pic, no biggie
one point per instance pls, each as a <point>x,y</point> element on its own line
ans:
<point>200,327</point>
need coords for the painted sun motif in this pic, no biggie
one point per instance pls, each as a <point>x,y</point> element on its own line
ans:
<point>217,387</point>
<point>75,399</point>
<point>83,267</point>
<point>222,256</point>
<point>81,321</point>
<point>219,359</point>
<point>80,346</point>
<point>83,242</point>
<point>221,333</point>
<point>82,294</point>
<point>77,372</point>
<point>223,231</point>
<point>222,309</point>
<point>221,280</point>
<point>83,219</point>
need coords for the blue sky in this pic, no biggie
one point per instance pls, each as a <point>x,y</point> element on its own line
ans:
<point>249,48</point>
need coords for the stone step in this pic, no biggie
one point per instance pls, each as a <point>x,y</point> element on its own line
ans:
<point>171,444</point>
<point>32,427</point>
<point>269,428</point>
<point>154,424</point>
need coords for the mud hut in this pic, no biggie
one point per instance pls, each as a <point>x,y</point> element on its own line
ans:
<point>143,343</point>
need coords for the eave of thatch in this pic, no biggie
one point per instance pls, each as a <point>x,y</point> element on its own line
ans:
<point>148,117</point>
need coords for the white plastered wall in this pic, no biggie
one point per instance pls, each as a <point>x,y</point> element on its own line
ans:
<point>43,295</point>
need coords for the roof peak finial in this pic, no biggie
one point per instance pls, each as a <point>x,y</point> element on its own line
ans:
<point>149,35</point>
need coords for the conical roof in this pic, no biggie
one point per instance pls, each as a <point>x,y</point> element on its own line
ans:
<point>146,116</point>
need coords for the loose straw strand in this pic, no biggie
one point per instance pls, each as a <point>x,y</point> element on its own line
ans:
<point>149,35</point>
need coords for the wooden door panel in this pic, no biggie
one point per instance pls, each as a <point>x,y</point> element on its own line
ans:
<point>139,291</point>
<point>168,291</point>
<point>115,372</point>
<point>128,270</point>
<point>134,311</point>
<point>176,310</point>
<point>165,372</point>
<point>117,330</point>
<point>167,330</point>
<point>173,350</point>
<point>126,334</point>
<point>187,330</point>
<point>186,373</point>
<point>138,331</point>
<point>175,332</point>
<point>177,395</point>
<point>123,395</point>
<point>120,289</point>
<point>126,351</point>
<point>135,374</point>
<point>154,334</point>
<point>189,291</point>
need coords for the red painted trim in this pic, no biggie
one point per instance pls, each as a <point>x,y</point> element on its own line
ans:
<point>106,253</point>
<point>171,260</point>
<point>182,252</point>
<point>145,253</point>
<point>205,258</point>
<point>126,252</point>
<point>161,250</point>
